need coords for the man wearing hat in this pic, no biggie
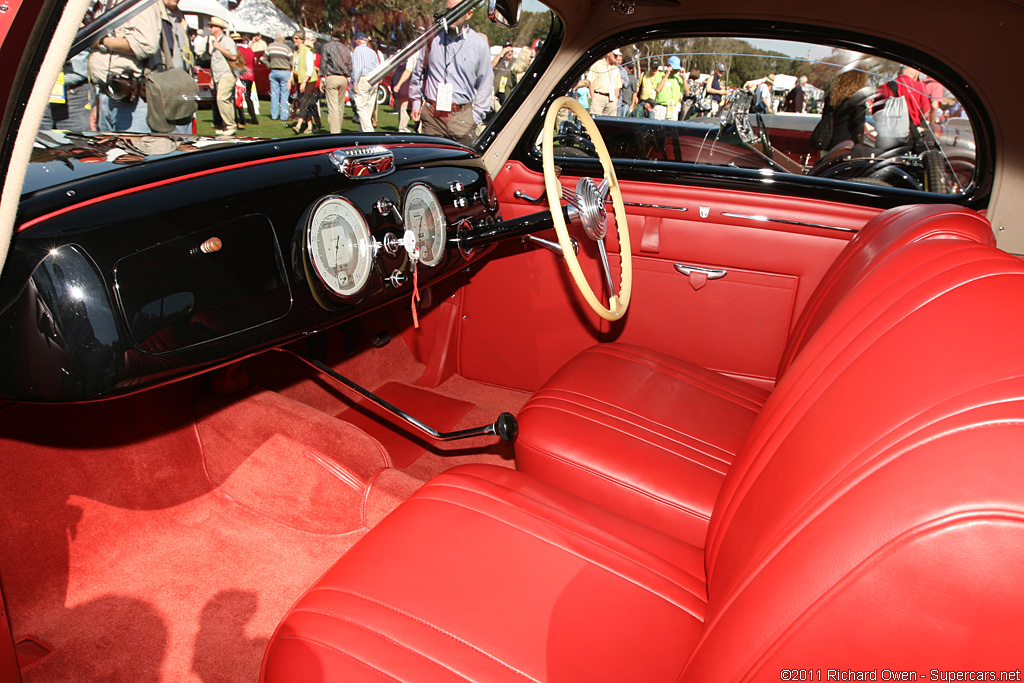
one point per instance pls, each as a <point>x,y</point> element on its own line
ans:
<point>306,78</point>
<point>669,88</point>
<point>503,83</point>
<point>222,52</point>
<point>717,88</point>
<point>605,84</point>
<point>763,95</point>
<point>364,61</point>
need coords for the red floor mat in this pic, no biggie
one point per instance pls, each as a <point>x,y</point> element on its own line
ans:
<point>403,442</point>
<point>122,558</point>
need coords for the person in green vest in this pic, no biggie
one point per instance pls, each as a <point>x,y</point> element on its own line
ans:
<point>669,88</point>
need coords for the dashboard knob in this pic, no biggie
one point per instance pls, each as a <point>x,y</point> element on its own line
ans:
<point>397,278</point>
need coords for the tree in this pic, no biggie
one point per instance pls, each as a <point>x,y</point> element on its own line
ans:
<point>532,25</point>
<point>390,22</point>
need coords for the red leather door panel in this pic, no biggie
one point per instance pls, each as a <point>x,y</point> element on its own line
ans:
<point>523,317</point>
<point>737,324</point>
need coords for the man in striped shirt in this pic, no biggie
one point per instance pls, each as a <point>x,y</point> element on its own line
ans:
<point>454,87</point>
<point>364,60</point>
<point>278,59</point>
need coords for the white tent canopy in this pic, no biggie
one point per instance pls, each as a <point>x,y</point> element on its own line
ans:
<point>265,16</point>
<point>208,8</point>
<point>197,13</point>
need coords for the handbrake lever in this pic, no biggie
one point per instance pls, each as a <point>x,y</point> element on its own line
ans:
<point>505,427</point>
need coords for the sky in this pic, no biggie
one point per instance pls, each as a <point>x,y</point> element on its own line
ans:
<point>792,49</point>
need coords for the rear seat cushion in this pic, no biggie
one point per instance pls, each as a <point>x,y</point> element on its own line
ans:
<point>486,574</point>
<point>639,432</point>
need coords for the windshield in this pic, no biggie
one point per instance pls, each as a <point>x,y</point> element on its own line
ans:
<point>773,107</point>
<point>184,67</point>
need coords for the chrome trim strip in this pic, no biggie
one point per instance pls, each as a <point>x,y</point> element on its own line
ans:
<point>649,206</point>
<point>784,221</point>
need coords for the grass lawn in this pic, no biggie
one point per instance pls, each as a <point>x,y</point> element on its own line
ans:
<point>387,120</point>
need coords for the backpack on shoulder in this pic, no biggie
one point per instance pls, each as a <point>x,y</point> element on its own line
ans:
<point>892,121</point>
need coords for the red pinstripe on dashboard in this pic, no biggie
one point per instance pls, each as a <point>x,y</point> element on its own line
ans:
<point>189,176</point>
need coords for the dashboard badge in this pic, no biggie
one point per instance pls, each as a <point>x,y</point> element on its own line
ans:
<point>363,162</point>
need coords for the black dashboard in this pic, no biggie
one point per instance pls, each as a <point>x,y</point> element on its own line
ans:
<point>136,275</point>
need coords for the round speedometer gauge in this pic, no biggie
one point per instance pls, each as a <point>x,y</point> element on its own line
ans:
<point>339,246</point>
<point>424,217</point>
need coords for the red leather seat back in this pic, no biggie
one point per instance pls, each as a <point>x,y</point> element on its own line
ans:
<point>882,235</point>
<point>878,499</point>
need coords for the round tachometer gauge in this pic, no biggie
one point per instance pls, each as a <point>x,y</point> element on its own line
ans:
<point>339,246</point>
<point>424,217</point>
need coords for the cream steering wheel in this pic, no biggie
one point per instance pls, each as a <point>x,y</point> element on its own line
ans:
<point>588,201</point>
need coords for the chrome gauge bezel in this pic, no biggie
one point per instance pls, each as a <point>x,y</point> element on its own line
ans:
<point>439,228</point>
<point>363,248</point>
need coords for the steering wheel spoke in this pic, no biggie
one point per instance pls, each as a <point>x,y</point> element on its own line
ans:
<point>602,251</point>
<point>570,196</point>
<point>589,199</point>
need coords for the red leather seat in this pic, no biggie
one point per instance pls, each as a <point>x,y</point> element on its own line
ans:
<point>873,519</point>
<point>652,436</point>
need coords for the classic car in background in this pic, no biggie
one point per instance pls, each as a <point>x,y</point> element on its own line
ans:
<point>590,399</point>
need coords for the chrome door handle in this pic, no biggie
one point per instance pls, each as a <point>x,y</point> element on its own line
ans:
<point>710,272</point>
<point>519,194</point>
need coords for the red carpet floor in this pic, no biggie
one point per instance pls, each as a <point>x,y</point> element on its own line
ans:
<point>404,443</point>
<point>161,537</point>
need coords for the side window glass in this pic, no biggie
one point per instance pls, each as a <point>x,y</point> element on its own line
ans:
<point>776,106</point>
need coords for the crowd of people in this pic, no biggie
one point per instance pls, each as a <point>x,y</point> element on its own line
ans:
<point>614,88</point>
<point>446,89</point>
<point>303,73</point>
<point>665,91</point>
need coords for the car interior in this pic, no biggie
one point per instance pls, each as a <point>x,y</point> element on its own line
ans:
<point>593,399</point>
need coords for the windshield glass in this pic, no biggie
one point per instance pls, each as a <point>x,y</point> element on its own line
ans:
<point>183,67</point>
<point>774,107</point>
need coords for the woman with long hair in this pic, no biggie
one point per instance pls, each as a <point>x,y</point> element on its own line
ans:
<point>845,102</point>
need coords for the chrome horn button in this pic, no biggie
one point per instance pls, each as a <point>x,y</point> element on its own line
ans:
<point>590,203</point>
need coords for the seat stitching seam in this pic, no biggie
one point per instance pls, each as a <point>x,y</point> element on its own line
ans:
<point>340,652</point>
<point>669,430</point>
<point>591,561</point>
<point>647,440</point>
<point>379,634</point>
<point>625,485</point>
<point>733,394</point>
<point>426,623</point>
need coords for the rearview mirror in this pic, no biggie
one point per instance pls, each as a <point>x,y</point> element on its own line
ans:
<point>504,12</point>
